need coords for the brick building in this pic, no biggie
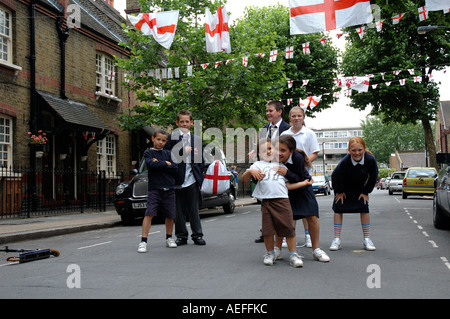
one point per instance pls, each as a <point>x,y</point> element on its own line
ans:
<point>57,74</point>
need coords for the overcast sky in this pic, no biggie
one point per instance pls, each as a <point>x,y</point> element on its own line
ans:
<point>339,115</point>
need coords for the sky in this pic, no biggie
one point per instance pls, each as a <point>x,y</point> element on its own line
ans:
<point>339,115</point>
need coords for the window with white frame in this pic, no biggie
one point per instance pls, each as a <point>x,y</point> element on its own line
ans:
<point>5,36</point>
<point>106,154</point>
<point>105,75</point>
<point>5,142</point>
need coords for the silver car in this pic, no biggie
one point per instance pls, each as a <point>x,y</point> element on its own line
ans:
<point>396,182</point>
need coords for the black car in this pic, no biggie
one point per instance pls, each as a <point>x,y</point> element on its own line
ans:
<point>441,199</point>
<point>130,198</point>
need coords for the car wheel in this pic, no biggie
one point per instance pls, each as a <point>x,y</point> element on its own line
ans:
<point>390,191</point>
<point>127,220</point>
<point>439,220</point>
<point>404,195</point>
<point>228,208</point>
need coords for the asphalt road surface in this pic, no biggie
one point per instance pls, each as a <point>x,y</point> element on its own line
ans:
<point>412,260</point>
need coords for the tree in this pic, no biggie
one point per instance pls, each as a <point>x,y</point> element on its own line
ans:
<point>230,95</point>
<point>383,139</point>
<point>400,47</point>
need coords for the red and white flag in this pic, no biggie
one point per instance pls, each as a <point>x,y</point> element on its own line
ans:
<point>361,31</point>
<point>216,179</point>
<point>216,31</point>
<point>358,83</point>
<point>309,16</point>
<point>273,55</point>
<point>396,19</point>
<point>310,101</point>
<point>289,52</point>
<point>306,49</point>
<point>161,25</point>
<point>423,13</point>
<point>436,5</point>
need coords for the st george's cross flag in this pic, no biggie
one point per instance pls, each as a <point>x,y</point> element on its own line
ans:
<point>217,180</point>
<point>358,83</point>
<point>436,5</point>
<point>216,31</point>
<point>309,16</point>
<point>161,25</point>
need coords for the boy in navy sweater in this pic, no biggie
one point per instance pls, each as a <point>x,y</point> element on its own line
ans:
<point>161,188</point>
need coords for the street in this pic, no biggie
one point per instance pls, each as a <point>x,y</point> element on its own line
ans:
<point>412,260</point>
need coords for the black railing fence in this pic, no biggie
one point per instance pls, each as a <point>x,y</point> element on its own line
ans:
<point>25,192</point>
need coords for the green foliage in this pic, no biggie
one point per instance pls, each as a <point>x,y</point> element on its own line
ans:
<point>383,139</point>
<point>230,95</point>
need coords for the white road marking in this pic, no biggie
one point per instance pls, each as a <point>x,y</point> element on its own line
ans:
<point>99,244</point>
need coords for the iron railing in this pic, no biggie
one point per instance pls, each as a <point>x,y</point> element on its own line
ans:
<point>25,192</point>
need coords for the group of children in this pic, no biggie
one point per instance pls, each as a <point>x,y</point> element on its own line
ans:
<point>284,186</point>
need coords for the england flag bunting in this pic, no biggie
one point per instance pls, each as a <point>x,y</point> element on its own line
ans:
<point>216,31</point>
<point>310,16</point>
<point>358,83</point>
<point>161,25</point>
<point>396,19</point>
<point>310,101</point>
<point>423,13</point>
<point>436,5</point>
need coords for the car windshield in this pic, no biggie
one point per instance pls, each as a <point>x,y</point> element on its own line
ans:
<point>319,179</point>
<point>424,172</point>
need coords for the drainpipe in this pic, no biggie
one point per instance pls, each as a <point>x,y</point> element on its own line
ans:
<point>63,34</point>
<point>34,112</point>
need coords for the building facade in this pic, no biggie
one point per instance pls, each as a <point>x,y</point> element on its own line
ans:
<point>58,77</point>
<point>333,143</point>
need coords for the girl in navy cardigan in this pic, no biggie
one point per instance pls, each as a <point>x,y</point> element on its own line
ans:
<point>353,179</point>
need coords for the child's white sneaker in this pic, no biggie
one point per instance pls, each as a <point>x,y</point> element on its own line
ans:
<point>335,244</point>
<point>320,255</point>
<point>278,253</point>
<point>284,244</point>
<point>295,260</point>
<point>269,259</point>
<point>368,244</point>
<point>142,247</point>
<point>170,242</point>
<point>308,242</point>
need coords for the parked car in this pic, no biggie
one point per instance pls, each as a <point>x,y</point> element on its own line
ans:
<point>441,199</point>
<point>321,184</point>
<point>130,198</point>
<point>419,181</point>
<point>380,183</point>
<point>396,182</point>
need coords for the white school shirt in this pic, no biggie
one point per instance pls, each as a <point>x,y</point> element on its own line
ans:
<point>305,140</point>
<point>273,185</point>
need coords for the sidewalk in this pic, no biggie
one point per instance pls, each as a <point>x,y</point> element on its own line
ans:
<point>20,229</point>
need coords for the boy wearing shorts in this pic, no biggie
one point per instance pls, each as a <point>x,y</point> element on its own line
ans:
<point>276,209</point>
<point>161,185</point>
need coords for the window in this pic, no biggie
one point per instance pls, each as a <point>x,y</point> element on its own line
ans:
<point>106,154</point>
<point>105,75</point>
<point>5,142</point>
<point>5,36</point>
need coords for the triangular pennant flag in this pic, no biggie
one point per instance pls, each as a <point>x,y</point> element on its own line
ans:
<point>361,31</point>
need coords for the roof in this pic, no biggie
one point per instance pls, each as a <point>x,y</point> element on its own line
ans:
<point>75,115</point>
<point>412,158</point>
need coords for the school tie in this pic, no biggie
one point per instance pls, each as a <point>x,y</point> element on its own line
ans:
<point>185,140</point>
<point>272,127</point>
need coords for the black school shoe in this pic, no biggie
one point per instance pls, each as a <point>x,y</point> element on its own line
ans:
<point>199,241</point>
<point>181,241</point>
